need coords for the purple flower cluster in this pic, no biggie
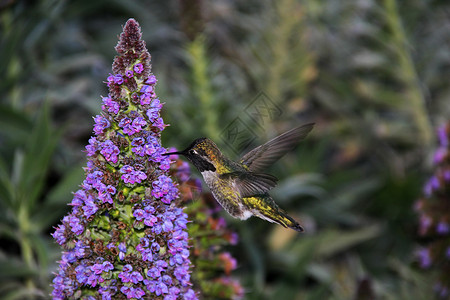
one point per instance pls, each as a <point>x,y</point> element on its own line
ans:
<point>130,175</point>
<point>124,237</point>
<point>132,126</point>
<point>434,215</point>
<point>164,189</point>
<point>209,231</point>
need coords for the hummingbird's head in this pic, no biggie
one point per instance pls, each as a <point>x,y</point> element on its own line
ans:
<point>202,153</point>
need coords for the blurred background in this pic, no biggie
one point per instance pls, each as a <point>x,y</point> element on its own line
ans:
<point>373,76</point>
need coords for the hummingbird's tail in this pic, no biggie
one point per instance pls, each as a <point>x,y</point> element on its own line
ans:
<point>286,221</point>
<point>266,209</point>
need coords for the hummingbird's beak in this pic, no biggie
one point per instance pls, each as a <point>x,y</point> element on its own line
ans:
<point>170,153</point>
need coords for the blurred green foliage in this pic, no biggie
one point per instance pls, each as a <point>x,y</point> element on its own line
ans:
<point>373,75</point>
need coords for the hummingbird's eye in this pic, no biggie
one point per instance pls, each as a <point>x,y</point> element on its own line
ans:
<point>193,152</point>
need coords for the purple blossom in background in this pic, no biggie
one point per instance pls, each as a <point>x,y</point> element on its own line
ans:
<point>124,237</point>
<point>434,215</point>
<point>209,233</point>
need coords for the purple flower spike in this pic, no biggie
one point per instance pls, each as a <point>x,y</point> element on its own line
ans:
<point>434,215</point>
<point>121,212</point>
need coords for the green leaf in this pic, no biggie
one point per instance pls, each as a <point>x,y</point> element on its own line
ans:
<point>11,267</point>
<point>56,202</point>
<point>14,124</point>
<point>39,150</point>
<point>60,194</point>
<point>334,241</point>
<point>40,245</point>
<point>6,189</point>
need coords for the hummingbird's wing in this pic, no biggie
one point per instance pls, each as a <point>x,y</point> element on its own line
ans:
<point>266,154</point>
<point>251,184</point>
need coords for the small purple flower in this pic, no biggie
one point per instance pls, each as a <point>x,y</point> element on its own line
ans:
<point>151,80</point>
<point>159,123</point>
<point>89,208</point>
<point>127,291</point>
<point>174,291</point>
<point>443,228</point>
<point>79,198</point>
<point>138,68</point>
<point>234,238</point>
<point>110,190</point>
<point>110,105</point>
<point>124,122</point>
<point>58,235</point>
<point>139,214</point>
<point>101,123</point>
<point>118,79</point>
<point>127,268</point>
<point>152,148</point>
<point>159,267</point>
<point>110,151</point>
<point>184,172</point>
<point>125,276</point>
<point>132,176</point>
<point>127,126</point>
<point>190,295</point>
<point>164,163</point>
<point>439,155</point>
<point>82,273</point>
<point>161,288</point>
<point>443,136</point>
<point>105,194</point>
<point>155,247</point>
<point>92,148</point>
<point>153,111</point>
<point>136,277</point>
<point>167,226</point>
<point>75,225</point>
<point>424,258</point>
<point>431,186</point>
<point>182,274</point>
<point>97,269</point>
<point>446,176</point>
<point>107,266</point>
<point>162,187</point>
<point>94,279</point>
<point>79,249</point>
<point>139,141</point>
<point>129,73</point>
<point>425,223</point>
<point>146,89</point>
<point>150,220</point>
<point>110,80</point>
<point>145,99</point>
<point>138,293</point>
<point>147,255</point>
<point>122,250</point>
<point>138,124</point>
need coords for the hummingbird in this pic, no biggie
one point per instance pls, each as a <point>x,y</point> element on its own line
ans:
<point>240,187</point>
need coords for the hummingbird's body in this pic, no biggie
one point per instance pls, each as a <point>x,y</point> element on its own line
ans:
<point>238,186</point>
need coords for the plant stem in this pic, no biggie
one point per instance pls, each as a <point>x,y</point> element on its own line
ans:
<point>202,86</point>
<point>25,244</point>
<point>408,72</point>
